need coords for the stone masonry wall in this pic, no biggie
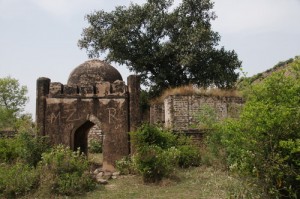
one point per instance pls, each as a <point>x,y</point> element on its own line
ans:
<point>157,114</point>
<point>180,111</point>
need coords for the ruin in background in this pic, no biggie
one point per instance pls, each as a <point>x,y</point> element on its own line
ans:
<point>179,112</point>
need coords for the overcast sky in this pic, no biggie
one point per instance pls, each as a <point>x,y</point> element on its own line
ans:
<point>38,38</point>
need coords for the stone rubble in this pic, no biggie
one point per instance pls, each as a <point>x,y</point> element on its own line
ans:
<point>102,176</point>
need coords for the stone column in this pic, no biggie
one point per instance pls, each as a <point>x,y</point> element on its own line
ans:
<point>42,90</point>
<point>133,82</point>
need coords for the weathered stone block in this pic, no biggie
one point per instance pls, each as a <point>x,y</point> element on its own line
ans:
<point>70,90</point>
<point>56,89</point>
<point>87,91</point>
<point>118,88</point>
<point>103,89</point>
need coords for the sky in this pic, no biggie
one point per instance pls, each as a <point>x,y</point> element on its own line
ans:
<point>38,38</point>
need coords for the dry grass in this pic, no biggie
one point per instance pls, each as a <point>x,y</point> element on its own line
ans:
<point>191,90</point>
<point>96,158</point>
<point>200,182</point>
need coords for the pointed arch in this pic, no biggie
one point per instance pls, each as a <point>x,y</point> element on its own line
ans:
<point>79,135</point>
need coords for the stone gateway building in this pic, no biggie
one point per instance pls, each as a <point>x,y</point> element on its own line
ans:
<point>94,95</point>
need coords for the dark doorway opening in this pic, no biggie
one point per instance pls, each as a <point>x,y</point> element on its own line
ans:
<point>81,137</point>
<point>89,137</point>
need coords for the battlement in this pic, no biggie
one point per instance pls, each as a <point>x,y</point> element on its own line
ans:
<point>103,89</point>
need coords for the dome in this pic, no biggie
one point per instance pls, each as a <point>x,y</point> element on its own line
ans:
<point>92,72</point>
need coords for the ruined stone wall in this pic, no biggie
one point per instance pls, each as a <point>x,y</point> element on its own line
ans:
<point>95,133</point>
<point>180,111</point>
<point>157,114</point>
<point>66,114</point>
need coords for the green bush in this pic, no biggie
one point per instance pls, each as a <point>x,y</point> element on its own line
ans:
<point>189,156</point>
<point>65,172</point>
<point>152,135</point>
<point>24,147</point>
<point>95,146</point>
<point>127,165</point>
<point>159,151</point>
<point>32,147</point>
<point>154,163</point>
<point>9,150</point>
<point>17,179</point>
<point>264,141</point>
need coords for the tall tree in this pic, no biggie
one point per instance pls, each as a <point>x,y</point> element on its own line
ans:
<point>12,101</point>
<point>167,46</point>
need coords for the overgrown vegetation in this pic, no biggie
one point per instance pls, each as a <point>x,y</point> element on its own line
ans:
<point>28,165</point>
<point>24,148</point>
<point>95,146</point>
<point>65,172</point>
<point>158,153</point>
<point>19,157</point>
<point>282,65</point>
<point>192,183</point>
<point>17,179</point>
<point>265,140</point>
<point>262,146</point>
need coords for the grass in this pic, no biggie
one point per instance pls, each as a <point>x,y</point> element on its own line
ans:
<point>95,158</point>
<point>193,183</point>
<point>201,182</point>
<point>191,90</point>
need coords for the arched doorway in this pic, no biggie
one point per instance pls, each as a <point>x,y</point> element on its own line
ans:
<point>85,136</point>
<point>81,137</point>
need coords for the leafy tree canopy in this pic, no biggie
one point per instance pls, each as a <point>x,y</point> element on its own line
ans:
<point>167,46</point>
<point>12,101</point>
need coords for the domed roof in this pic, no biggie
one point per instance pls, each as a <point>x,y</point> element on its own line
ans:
<point>92,72</point>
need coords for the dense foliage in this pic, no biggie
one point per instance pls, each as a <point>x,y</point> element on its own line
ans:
<point>17,180</point>
<point>27,165</point>
<point>159,152</point>
<point>265,140</point>
<point>19,157</point>
<point>12,101</point>
<point>65,172</point>
<point>160,42</point>
<point>95,146</point>
<point>24,147</point>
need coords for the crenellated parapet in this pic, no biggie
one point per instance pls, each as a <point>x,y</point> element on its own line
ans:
<point>102,89</point>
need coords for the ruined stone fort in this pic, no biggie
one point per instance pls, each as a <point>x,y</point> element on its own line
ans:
<point>96,95</point>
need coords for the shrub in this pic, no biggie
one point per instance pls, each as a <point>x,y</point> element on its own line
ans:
<point>17,179</point>
<point>9,150</point>
<point>66,172</point>
<point>32,147</point>
<point>127,165</point>
<point>152,135</point>
<point>159,151</point>
<point>95,146</point>
<point>189,156</point>
<point>24,147</point>
<point>264,141</point>
<point>154,163</point>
